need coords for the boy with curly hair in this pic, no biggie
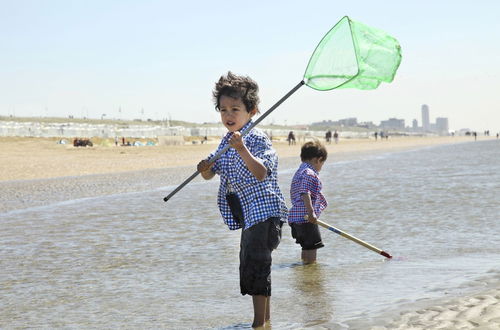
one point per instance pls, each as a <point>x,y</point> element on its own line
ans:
<point>249,197</point>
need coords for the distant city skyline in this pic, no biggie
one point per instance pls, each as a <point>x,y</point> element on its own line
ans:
<point>441,125</point>
<point>160,60</point>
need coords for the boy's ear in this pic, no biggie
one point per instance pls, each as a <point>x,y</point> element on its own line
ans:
<point>253,112</point>
<point>318,160</point>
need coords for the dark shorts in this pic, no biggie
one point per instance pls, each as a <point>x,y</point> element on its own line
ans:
<point>257,243</point>
<point>307,235</point>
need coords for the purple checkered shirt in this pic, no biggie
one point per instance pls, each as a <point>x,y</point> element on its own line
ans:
<point>306,180</point>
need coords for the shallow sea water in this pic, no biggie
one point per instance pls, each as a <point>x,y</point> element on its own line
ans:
<point>129,260</point>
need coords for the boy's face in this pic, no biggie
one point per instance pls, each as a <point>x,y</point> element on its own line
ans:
<point>233,113</point>
<point>317,163</point>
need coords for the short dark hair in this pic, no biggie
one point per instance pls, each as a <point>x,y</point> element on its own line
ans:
<point>235,86</point>
<point>313,149</point>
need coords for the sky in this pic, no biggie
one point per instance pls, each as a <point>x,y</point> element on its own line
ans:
<point>160,59</point>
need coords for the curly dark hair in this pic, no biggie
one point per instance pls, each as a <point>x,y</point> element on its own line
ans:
<point>242,87</point>
<point>313,149</point>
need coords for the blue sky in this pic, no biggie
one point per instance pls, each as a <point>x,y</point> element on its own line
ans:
<point>160,59</point>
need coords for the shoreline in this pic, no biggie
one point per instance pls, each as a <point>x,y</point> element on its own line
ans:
<point>476,308</point>
<point>43,158</point>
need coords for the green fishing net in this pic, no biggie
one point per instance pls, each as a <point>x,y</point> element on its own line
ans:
<point>353,55</point>
<point>350,55</point>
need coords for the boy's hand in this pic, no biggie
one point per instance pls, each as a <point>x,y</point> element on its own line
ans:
<point>236,141</point>
<point>312,218</point>
<point>204,166</point>
<point>253,164</point>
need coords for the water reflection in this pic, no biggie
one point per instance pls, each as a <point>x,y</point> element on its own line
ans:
<point>310,287</point>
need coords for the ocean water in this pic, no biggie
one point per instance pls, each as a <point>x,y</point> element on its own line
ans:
<point>129,260</point>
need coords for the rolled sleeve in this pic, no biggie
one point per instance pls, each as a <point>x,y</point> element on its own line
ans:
<point>261,148</point>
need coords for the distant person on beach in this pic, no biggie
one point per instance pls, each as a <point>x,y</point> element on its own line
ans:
<point>336,137</point>
<point>249,196</point>
<point>307,200</point>
<point>291,138</point>
<point>376,135</point>
<point>328,137</point>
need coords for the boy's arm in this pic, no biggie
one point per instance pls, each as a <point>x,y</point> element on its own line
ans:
<point>311,216</point>
<point>255,166</point>
<point>205,169</point>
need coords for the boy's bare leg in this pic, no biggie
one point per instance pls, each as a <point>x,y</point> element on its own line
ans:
<point>309,256</point>
<point>268,308</point>
<point>259,311</point>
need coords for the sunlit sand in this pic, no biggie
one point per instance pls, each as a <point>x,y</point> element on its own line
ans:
<point>36,158</point>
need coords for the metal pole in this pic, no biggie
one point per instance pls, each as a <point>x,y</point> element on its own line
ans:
<point>219,154</point>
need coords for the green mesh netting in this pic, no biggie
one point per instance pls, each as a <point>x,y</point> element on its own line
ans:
<point>353,55</point>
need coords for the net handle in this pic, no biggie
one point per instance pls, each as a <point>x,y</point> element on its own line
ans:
<point>249,128</point>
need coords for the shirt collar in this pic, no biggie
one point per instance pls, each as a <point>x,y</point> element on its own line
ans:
<point>307,165</point>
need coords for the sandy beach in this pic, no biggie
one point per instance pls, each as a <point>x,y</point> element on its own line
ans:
<point>27,159</point>
<point>42,158</point>
<point>472,311</point>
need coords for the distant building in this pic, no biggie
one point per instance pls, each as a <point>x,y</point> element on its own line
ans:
<point>414,125</point>
<point>326,123</point>
<point>425,118</point>
<point>367,124</point>
<point>442,125</point>
<point>348,122</point>
<point>464,131</point>
<point>393,123</point>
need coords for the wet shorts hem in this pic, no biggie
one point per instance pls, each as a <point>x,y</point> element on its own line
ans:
<point>307,235</point>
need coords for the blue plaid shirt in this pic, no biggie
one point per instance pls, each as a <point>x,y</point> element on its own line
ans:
<point>260,200</point>
<point>305,181</point>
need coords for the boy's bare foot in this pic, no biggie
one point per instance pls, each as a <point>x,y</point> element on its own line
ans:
<point>265,325</point>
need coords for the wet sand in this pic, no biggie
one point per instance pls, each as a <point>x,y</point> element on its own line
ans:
<point>36,172</point>
<point>472,311</point>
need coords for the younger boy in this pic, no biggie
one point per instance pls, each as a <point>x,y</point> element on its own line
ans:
<point>307,200</point>
<point>249,196</point>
